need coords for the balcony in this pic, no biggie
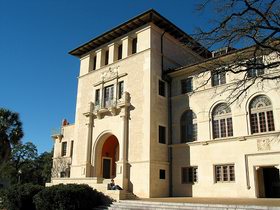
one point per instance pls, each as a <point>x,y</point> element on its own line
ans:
<point>56,134</point>
<point>109,107</point>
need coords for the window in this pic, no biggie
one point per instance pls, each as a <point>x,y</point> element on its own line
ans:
<point>261,115</point>
<point>108,95</point>
<point>134,45</point>
<point>63,148</point>
<point>224,173</point>
<point>161,174</point>
<point>162,134</point>
<point>161,88</point>
<point>188,126</point>
<point>222,121</point>
<point>106,57</point>
<point>120,89</point>
<point>71,149</point>
<point>186,85</point>
<point>189,175</point>
<point>255,67</point>
<point>94,63</point>
<point>97,97</point>
<point>218,77</point>
<point>120,52</point>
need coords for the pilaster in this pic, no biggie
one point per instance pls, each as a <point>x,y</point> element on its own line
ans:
<point>126,46</point>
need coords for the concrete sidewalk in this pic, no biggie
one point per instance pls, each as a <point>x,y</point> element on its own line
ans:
<point>225,201</point>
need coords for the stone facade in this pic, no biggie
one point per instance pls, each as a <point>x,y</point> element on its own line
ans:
<point>128,123</point>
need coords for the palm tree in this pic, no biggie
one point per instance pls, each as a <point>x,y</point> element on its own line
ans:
<point>10,132</point>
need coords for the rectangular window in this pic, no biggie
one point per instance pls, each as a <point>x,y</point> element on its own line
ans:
<point>186,85</point>
<point>254,123</point>
<point>218,77</point>
<point>97,97</point>
<point>223,127</point>
<point>161,88</point>
<point>120,89</point>
<point>229,127</point>
<point>270,121</point>
<point>134,45</point>
<point>262,121</point>
<point>120,52</point>
<point>162,134</point>
<point>108,95</point>
<point>72,147</point>
<point>224,173</point>
<point>94,63</point>
<point>189,175</point>
<point>194,131</point>
<point>255,67</point>
<point>216,129</point>
<point>161,174</point>
<point>106,57</point>
<point>63,148</point>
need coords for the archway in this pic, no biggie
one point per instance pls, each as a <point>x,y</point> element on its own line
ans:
<point>109,156</point>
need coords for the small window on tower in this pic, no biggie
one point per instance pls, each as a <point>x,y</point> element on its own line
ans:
<point>63,148</point>
<point>120,52</point>
<point>94,63</point>
<point>134,45</point>
<point>161,174</point>
<point>161,88</point>
<point>106,57</point>
<point>162,134</point>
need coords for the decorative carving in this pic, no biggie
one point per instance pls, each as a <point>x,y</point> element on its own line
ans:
<point>111,73</point>
<point>263,144</point>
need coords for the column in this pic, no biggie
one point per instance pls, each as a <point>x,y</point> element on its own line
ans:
<point>99,58</point>
<point>127,46</point>
<point>88,151</point>
<point>122,177</point>
<point>113,53</point>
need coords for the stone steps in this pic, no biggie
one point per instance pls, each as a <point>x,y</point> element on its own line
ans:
<point>139,205</point>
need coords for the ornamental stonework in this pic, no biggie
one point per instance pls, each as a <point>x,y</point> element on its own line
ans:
<point>263,144</point>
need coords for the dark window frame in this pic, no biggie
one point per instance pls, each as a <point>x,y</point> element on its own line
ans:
<point>161,88</point>
<point>120,52</point>
<point>97,97</point>
<point>162,174</point>
<point>134,46</point>
<point>120,89</point>
<point>218,77</point>
<point>187,85</point>
<point>224,173</point>
<point>189,175</point>
<point>106,62</point>
<point>94,62</point>
<point>162,134</point>
<point>63,148</point>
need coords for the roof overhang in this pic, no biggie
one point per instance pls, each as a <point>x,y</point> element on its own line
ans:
<point>151,16</point>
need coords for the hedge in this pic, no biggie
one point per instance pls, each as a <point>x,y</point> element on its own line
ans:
<point>20,197</point>
<point>69,197</point>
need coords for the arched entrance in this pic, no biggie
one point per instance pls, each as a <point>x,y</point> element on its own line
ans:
<point>109,157</point>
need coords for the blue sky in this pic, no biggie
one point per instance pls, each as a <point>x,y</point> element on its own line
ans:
<point>38,76</point>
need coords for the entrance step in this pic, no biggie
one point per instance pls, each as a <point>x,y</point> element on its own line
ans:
<point>129,196</point>
<point>146,205</point>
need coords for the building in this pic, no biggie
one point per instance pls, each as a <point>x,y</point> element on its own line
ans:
<point>139,121</point>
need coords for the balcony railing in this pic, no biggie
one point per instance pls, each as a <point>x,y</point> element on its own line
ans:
<point>112,105</point>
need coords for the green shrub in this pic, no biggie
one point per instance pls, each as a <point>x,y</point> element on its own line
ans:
<point>69,197</point>
<point>20,197</point>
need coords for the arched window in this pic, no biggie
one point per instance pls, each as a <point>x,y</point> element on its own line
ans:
<point>222,121</point>
<point>261,115</point>
<point>188,126</point>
